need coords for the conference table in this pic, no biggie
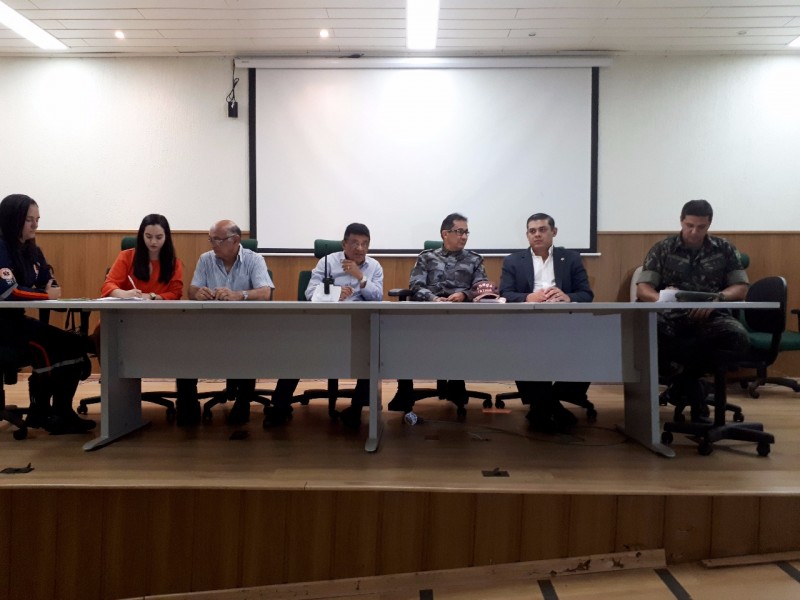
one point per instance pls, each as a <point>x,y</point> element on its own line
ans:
<point>602,342</point>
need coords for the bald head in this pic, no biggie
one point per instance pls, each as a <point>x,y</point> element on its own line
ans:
<point>225,228</point>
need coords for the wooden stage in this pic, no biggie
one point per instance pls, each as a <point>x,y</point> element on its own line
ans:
<point>178,510</point>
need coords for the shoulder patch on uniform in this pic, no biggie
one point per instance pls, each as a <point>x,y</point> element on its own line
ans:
<point>7,275</point>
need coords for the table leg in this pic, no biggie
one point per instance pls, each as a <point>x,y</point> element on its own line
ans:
<point>640,358</point>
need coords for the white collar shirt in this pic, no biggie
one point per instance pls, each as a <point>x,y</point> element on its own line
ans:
<point>544,275</point>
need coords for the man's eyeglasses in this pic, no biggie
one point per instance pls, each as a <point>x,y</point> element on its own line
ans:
<point>218,241</point>
<point>459,232</point>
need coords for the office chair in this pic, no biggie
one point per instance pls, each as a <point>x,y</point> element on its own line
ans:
<point>262,396</point>
<point>772,322</point>
<point>440,391</point>
<point>322,248</point>
<point>764,350</point>
<point>669,395</point>
<point>12,359</point>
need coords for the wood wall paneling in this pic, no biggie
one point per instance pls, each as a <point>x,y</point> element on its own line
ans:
<point>5,543</point>
<point>545,527</point>
<point>777,533</point>
<point>735,525</point>
<point>87,544</point>
<point>687,528</point>
<point>402,532</point>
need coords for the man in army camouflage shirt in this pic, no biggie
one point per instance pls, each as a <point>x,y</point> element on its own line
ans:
<point>692,342</point>
<point>446,274</point>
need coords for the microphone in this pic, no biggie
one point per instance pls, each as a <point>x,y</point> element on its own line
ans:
<point>327,280</point>
<point>411,418</point>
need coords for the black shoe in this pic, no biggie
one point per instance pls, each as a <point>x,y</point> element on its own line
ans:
<point>564,418</point>
<point>401,403</point>
<point>68,422</point>
<point>543,421</point>
<point>37,417</point>
<point>187,412</point>
<point>275,416</point>
<point>351,417</point>
<point>240,413</point>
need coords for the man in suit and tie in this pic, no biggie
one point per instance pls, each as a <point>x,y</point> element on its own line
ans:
<point>546,273</point>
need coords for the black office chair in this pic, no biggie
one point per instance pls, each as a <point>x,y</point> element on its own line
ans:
<point>12,359</point>
<point>772,321</point>
<point>322,248</point>
<point>669,396</point>
<point>261,396</point>
<point>440,391</point>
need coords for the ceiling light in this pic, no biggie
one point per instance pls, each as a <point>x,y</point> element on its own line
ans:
<point>16,22</point>
<point>422,24</point>
<point>120,35</point>
<point>323,33</point>
<point>795,43</point>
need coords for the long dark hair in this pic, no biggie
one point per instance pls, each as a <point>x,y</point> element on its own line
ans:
<point>13,212</point>
<point>166,257</point>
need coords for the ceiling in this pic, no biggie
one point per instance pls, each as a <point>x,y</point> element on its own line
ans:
<point>377,27</point>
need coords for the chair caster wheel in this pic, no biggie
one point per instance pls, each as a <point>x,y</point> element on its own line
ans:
<point>487,404</point>
<point>738,417</point>
<point>705,448</point>
<point>666,437</point>
<point>591,415</point>
<point>304,401</point>
<point>763,449</point>
<point>461,411</point>
<point>22,433</point>
<point>82,409</point>
<point>499,404</point>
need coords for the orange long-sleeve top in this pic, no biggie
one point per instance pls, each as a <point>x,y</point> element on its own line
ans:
<point>122,268</point>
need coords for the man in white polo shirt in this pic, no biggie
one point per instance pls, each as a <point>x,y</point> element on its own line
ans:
<point>226,272</point>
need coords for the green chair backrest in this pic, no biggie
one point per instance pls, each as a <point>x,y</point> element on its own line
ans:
<point>321,248</point>
<point>325,247</point>
<point>250,244</point>
<point>745,258</point>
<point>128,242</point>
<point>302,284</point>
<point>432,244</point>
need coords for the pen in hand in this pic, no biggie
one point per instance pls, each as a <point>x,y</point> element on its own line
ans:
<point>133,285</point>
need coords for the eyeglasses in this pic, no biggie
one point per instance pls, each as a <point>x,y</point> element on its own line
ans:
<point>218,241</point>
<point>356,244</point>
<point>459,232</point>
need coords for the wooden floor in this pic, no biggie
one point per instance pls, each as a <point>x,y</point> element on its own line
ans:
<point>778,580</point>
<point>174,510</point>
<point>439,454</point>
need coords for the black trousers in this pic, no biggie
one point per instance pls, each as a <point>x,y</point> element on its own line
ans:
<point>543,393</point>
<point>58,359</point>
<point>285,388</point>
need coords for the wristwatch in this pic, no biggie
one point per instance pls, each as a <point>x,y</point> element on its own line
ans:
<point>152,295</point>
<point>244,295</point>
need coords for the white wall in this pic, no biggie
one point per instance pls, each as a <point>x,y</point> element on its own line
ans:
<point>721,128</point>
<point>101,142</point>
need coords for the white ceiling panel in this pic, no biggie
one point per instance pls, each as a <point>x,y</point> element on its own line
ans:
<point>377,27</point>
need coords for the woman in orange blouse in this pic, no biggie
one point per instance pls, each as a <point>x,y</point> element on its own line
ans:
<point>150,270</point>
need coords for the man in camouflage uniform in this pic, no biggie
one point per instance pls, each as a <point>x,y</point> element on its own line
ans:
<point>693,342</point>
<point>446,274</point>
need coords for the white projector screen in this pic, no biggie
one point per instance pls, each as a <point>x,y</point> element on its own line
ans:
<point>399,149</point>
